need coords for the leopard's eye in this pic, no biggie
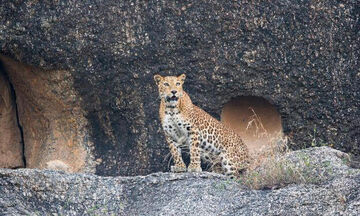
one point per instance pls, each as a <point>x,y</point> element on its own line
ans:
<point>166,84</point>
<point>177,84</point>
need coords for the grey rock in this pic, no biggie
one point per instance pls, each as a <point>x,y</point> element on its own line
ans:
<point>302,56</point>
<point>35,192</point>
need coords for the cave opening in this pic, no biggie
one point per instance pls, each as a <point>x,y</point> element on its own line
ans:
<point>42,124</point>
<point>255,119</point>
<point>12,146</point>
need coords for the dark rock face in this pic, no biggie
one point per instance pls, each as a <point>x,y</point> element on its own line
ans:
<point>26,191</point>
<point>302,56</point>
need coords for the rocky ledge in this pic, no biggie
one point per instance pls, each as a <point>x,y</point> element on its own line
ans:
<point>35,192</point>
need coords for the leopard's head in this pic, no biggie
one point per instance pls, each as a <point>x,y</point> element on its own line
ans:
<point>170,87</point>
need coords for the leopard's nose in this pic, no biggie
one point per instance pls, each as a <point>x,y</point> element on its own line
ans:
<point>173,91</point>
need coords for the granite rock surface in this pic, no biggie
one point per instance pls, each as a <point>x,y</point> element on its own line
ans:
<point>41,192</point>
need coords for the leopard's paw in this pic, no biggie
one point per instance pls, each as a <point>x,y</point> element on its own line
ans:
<point>194,168</point>
<point>177,169</point>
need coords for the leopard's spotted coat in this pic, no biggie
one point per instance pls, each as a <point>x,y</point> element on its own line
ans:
<point>207,138</point>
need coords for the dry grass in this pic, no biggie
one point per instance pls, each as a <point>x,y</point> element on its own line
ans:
<point>269,168</point>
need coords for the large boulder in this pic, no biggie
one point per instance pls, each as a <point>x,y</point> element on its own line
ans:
<point>35,192</point>
<point>301,56</point>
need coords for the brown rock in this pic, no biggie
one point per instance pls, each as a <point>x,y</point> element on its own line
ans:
<point>10,138</point>
<point>52,122</point>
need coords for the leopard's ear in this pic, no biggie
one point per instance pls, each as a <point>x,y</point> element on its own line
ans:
<point>158,78</point>
<point>182,77</point>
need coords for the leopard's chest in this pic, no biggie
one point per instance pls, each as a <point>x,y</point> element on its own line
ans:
<point>176,126</point>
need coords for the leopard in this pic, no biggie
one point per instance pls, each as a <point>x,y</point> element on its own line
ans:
<point>208,139</point>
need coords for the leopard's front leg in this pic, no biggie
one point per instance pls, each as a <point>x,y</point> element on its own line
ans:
<point>195,162</point>
<point>176,153</point>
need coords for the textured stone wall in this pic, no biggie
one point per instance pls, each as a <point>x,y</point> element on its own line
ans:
<point>301,56</point>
